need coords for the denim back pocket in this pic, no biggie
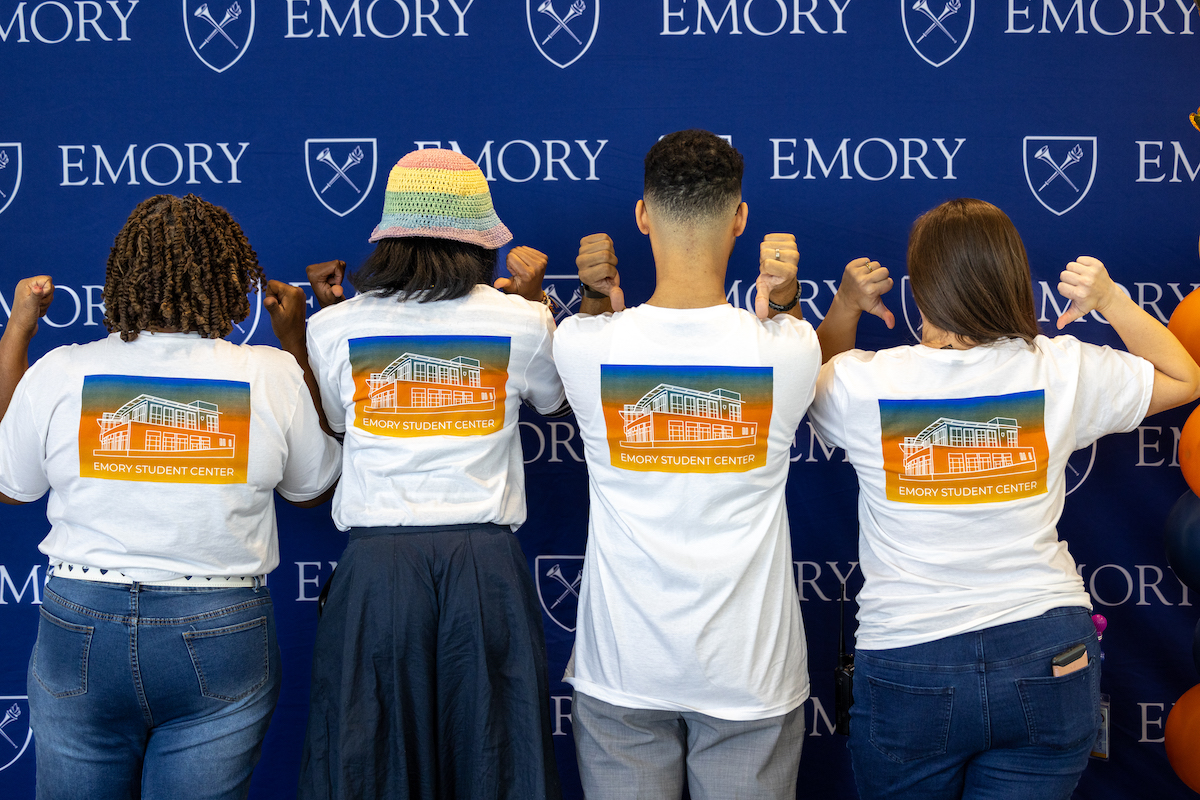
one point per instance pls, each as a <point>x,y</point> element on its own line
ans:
<point>1061,712</point>
<point>60,656</point>
<point>909,722</point>
<point>231,662</point>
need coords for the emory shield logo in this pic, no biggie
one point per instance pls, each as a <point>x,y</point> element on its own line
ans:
<point>564,291</point>
<point>558,579</point>
<point>1060,170</point>
<point>10,172</point>
<point>561,37</point>
<point>220,35</point>
<point>15,733</point>
<point>341,172</point>
<point>937,35</point>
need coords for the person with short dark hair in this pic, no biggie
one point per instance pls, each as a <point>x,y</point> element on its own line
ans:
<point>977,667</point>
<point>690,666</point>
<point>429,671</point>
<point>156,667</point>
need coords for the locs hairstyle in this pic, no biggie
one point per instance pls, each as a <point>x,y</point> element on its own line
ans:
<point>179,263</point>
<point>424,268</point>
<point>693,174</point>
<point>970,274</point>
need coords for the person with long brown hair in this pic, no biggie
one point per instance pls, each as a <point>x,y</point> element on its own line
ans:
<point>156,668</point>
<point>976,665</point>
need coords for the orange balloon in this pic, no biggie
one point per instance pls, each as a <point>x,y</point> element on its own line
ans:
<point>1185,324</point>
<point>1183,738</point>
<point>1189,451</point>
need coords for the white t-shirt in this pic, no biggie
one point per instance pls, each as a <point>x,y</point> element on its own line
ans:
<point>161,454</point>
<point>428,396</point>
<point>961,459</point>
<point>688,600</point>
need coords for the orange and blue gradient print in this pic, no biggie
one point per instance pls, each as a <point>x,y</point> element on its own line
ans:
<point>164,430</point>
<point>686,419</point>
<point>964,451</point>
<point>407,386</point>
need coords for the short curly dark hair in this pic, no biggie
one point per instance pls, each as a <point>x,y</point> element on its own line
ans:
<point>180,263</point>
<point>693,174</point>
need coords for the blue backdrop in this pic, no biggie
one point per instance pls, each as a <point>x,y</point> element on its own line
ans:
<point>854,116</point>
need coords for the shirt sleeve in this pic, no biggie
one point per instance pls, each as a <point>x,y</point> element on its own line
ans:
<point>544,389</point>
<point>828,410</point>
<point>1112,394</point>
<point>23,446</point>
<point>328,382</point>
<point>314,460</point>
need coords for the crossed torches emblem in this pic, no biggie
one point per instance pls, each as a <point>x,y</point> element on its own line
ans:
<point>1074,156</point>
<point>577,8</point>
<point>231,13</point>
<point>572,586</point>
<point>355,157</point>
<point>11,715</point>
<point>949,9</point>
<point>3,164</point>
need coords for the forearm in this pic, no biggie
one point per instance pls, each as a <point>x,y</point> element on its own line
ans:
<point>299,350</point>
<point>1177,378</point>
<point>14,360</point>
<point>839,330</point>
<point>783,297</point>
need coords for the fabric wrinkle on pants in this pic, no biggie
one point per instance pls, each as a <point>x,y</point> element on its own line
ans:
<point>151,691</point>
<point>646,754</point>
<point>979,715</point>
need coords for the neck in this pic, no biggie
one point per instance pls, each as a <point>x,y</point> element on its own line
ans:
<point>938,339</point>
<point>690,265</point>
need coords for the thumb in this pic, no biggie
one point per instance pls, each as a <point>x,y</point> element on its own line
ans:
<point>880,310</point>
<point>617,298</point>
<point>762,293</point>
<point>501,283</point>
<point>1072,313</point>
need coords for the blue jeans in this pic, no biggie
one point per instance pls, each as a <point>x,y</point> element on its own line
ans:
<point>978,715</point>
<point>151,691</point>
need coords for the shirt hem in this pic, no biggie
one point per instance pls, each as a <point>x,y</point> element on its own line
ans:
<point>736,714</point>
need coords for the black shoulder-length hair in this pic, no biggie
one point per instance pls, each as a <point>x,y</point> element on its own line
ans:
<point>970,273</point>
<point>424,268</point>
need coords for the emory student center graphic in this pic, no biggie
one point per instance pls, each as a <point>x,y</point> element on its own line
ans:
<point>675,416</point>
<point>686,418</point>
<point>416,383</point>
<point>171,430</point>
<point>429,385</point>
<point>954,448</point>
<point>959,457</point>
<point>149,425</point>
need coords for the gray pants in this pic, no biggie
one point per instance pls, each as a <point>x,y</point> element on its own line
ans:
<point>640,754</point>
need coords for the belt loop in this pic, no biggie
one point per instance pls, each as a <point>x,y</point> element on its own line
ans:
<point>258,582</point>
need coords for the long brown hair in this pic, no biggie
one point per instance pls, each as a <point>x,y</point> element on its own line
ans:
<point>180,263</point>
<point>970,274</point>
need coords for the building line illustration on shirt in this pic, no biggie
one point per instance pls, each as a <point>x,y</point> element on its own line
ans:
<point>954,449</point>
<point>154,426</point>
<point>676,416</point>
<point>422,384</point>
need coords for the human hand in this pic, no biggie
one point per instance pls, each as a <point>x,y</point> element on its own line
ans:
<point>1086,284</point>
<point>287,306</point>
<point>597,263</point>
<point>31,299</point>
<point>864,282</point>
<point>326,281</point>
<point>778,259</point>
<point>527,267</point>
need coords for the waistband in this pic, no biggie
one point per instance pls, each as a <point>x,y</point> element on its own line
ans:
<point>82,573</point>
<point>405,530</point>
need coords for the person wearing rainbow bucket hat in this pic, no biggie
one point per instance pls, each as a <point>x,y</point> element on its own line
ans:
<point>429,671</point>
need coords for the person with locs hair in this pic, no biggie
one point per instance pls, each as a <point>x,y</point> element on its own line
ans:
<point>976,666</point>
<point>690,666</point>
<point>429,671</point>
<point>156,667</point>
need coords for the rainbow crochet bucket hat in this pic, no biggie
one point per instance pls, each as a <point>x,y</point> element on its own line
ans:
<point>442,195</point>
